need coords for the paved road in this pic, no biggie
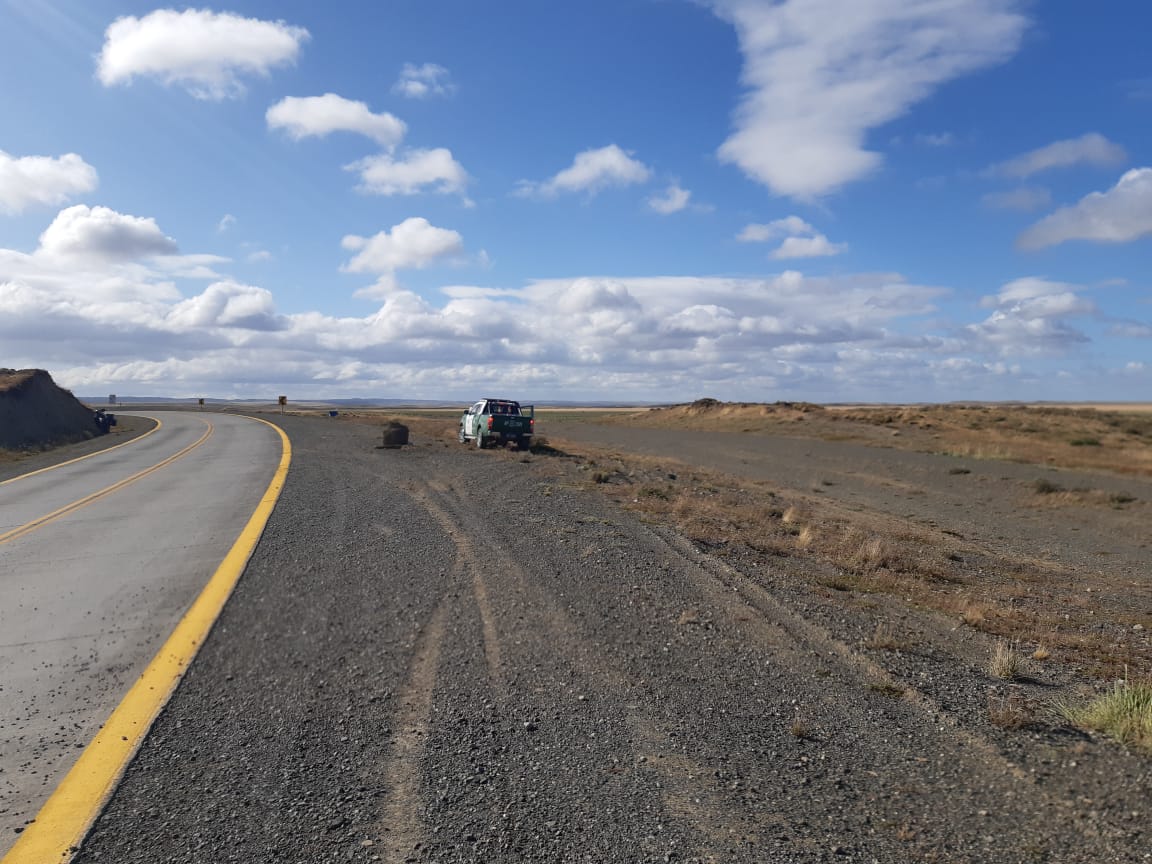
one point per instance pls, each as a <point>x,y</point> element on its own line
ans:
<point>88,594</point>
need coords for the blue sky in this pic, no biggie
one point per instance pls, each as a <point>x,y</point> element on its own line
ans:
<point>876,200</point>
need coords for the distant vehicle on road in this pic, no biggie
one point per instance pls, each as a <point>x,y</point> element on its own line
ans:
<point>498,421</point>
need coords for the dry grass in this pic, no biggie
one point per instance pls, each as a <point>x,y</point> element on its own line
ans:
<point>1117,438</point>
<point>1124,713</point>
<point>1010,712</point>
<point>1005,662</point>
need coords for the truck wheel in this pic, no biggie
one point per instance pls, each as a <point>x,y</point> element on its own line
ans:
<point>522,444</point>
<point>460,436</point>
<point>479,441</point>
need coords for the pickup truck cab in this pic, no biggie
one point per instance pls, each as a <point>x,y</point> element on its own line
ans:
<point>498,421</point>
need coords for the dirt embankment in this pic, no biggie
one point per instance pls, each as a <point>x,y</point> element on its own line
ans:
<point>35,413</point>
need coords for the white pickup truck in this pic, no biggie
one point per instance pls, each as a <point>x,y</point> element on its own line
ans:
<point>498,421</point>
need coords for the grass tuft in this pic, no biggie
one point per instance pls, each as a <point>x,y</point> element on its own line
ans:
<point>1010,713</point>
<point>1044,486</point>
<point>1005,662</point>
<point>1124,713</point>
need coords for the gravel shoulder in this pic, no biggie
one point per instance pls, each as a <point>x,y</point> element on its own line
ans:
<point>439,654</point>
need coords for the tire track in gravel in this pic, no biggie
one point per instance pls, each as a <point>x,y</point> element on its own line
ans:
<point>402,821</point>
<point>468,560</point>
<point>684,796</point>
<point>947,751</point>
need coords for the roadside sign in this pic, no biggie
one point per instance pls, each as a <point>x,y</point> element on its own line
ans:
<point>112,399</point>
<point>283,402</point>
<point>201,404</point>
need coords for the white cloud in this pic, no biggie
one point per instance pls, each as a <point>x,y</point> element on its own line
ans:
<point>260,255</point>
<point>756,232</point>
<point>134,325</point>
<point>801,240</point>
<point>413,244</point>
<point>410,173</point>
<point>226,304</point>
<point>1090,149</point>
<point>103,234</point>
<point>820,75</point>
<point>205,52</point>
<point>1030,315</point>
<point>673,200</point>
<point>302,117</point>
<point>1023,198</point>
<point>591,171</point>
<point>1120,215</point>
<point>42,180</point>
<point>420,82</point>
<point>816,246</point>
<point>225,223</point>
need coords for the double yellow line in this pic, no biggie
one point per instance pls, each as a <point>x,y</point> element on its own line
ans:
<point>138,438</point>
<point>66,817</point>
<point>29,527</point>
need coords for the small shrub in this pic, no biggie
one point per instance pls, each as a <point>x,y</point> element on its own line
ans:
<point>799,729</point>
<point>1010,713</point>
<point>1005,662</point>
<point>601,477</point>
<point>1041,653</point>
<point>1124,713</point>
<point>1085,442</point>
<point>959,470</point>
<point>1122,498</point>
<point>793,515</point>
<point>1044,486</point>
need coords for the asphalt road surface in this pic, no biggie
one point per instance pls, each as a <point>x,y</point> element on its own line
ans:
<point>440,654</point>
<point>98,560</point>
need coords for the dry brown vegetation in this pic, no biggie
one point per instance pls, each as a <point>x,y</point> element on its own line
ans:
<point>1041,609</point>
<point>1090,437</point>
<point>1033,609</point>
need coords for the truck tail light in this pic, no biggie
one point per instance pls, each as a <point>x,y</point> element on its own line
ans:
<point>532,424</point>
<point>490,422</point>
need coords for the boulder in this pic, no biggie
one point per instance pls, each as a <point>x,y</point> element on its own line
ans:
<point>395,435</point>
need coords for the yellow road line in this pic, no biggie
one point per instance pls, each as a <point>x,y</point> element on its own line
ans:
<point>89,456</point>
<point>65,818</point>
<point>40,522</point>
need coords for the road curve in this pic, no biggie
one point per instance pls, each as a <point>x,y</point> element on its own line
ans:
<point>99,559</point>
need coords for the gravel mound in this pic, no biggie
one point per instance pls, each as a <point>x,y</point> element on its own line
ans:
<point>36,414</point>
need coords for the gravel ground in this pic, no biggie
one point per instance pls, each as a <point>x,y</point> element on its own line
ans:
<point>439,654</point>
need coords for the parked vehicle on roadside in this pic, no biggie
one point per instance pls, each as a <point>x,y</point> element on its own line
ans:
<point>498,421</point>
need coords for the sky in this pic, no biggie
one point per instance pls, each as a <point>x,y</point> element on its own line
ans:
<point>611,200</point>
